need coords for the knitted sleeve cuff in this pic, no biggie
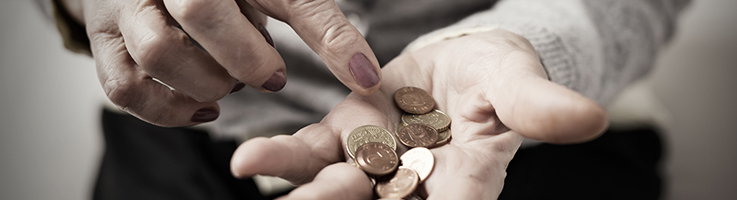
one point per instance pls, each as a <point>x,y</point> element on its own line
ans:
<point>556,29</point>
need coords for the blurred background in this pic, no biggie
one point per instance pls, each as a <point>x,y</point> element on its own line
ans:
<point>50,141</point>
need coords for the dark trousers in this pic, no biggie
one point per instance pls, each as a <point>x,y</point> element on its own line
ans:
<point>621,164</point>
<point>142,161</point>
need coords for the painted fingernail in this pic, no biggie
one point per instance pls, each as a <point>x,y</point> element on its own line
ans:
<point>238,87</point>
<point>363,71</point>
<point>276,82</point>
<point>266,34</point>
<point>205,115</point>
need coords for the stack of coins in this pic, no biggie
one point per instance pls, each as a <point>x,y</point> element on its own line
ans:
<point>374,148</point>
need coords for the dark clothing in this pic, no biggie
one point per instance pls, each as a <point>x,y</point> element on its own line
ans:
<point>143,161</point>
<point>618,165</point>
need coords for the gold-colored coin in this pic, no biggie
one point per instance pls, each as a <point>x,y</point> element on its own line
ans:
<point>403,183</point>
<point>436,119</point>
<point>366,134</point>
<point>443,138</point>
<point>419,159</point>
<point>399,127</point>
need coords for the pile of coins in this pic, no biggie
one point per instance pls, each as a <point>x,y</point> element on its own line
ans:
<point>374,148</point>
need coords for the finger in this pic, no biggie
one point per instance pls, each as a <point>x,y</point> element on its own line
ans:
<point>166,53</point>
<point>133,91</point>
<point>221,28</point>
<point>295,158</point>
<point>337,181</point>
<point>540,109</point>
<point>324,28</point>
<point>254,16</point>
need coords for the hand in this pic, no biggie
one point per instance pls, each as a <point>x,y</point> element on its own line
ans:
<point>134,41</point>
<point>491,84</point>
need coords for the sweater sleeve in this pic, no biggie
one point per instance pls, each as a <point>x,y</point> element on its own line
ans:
<point>593,47</point>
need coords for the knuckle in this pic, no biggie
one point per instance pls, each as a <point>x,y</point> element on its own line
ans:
<point>338,34</point>
<point>152,48</point>
<point>336,31</point>
<point>212,95</point>
<point>259,65</point>
<point>122,93</point>
<point>148,50</point>
<point>190,9</point>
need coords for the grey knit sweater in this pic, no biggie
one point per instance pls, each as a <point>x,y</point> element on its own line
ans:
<point>595,47</point>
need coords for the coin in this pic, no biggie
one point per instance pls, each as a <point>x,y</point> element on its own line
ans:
<point>418,135</point>
<point>376,158</point>
<point>443,138</point>
<point>413,197</point>
<point>436,119</point>
<point>399,127</point>
<point>403,183</point>
<point>419,159</point>
<point>414,100</point>
<point>366,134</point>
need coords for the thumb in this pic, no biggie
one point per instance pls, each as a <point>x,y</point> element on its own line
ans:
<point>324,28</point>
<point>531,105</point>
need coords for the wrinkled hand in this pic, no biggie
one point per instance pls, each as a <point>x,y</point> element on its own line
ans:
<point>134,41</point>
<point>491,84</point>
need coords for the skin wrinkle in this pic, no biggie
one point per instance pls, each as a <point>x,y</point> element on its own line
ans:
<point>150,51</point>
<point>500,84</point>
<point>118,88</point>
<point>307,8</point>
<point>194,11</point>
<point>304,176</point>
<point>147,48</point>
<point>324,158</point>
<point>335,35</point>
<point>248,73</point>
<point>300,176</point>
<point>462,164</point>
<point>160,115</point>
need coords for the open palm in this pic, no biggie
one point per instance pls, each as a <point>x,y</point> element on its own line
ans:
<point>491,84</point>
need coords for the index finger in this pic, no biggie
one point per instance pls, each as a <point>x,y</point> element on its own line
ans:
<point>324,28</point>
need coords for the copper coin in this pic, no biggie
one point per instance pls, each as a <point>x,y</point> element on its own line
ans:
<point>418,135</point>
<point>414,100</point>
<point>436,118</point>
<point>376,158</point>
<point>419,159</point>
<point>366,134</point>
<point>443,138</point>
<point>403,183</point>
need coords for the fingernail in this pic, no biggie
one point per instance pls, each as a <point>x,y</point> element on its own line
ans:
<point>205,115</point>
<point>363,71</point>
<point>276,82</point>
<point>238,87</point>
<point>266,34</point>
